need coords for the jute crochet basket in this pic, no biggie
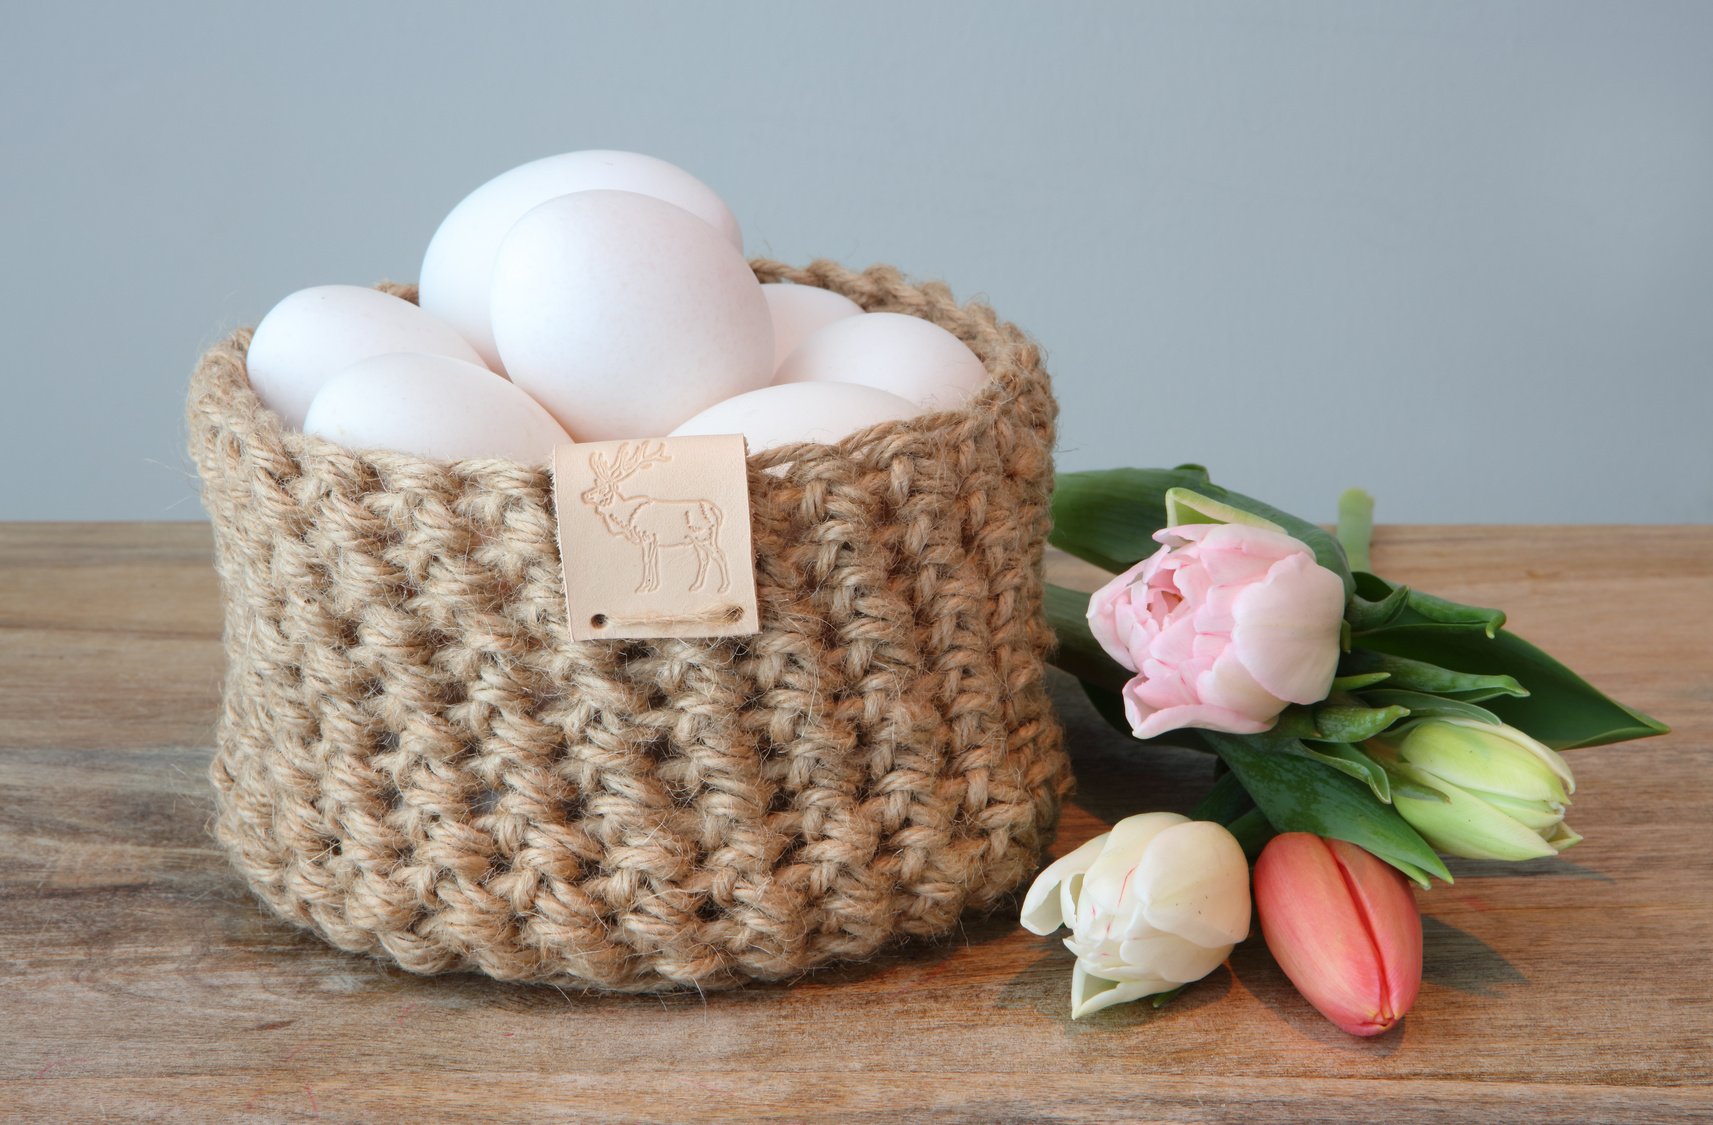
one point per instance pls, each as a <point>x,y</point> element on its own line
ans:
<point>416,762</point>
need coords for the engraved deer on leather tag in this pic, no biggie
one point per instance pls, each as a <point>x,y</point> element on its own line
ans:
<point>654,538</point>
<point>652,523</point>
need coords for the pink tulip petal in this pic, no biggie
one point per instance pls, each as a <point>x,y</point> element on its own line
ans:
<point>1101,608</point>
<point>1176,688</point>
<point>1183,533</point>
<point>1196,715</point>
<point>1207,648</point>
<point>1142,645</point>
<point>1164,601</point>
<point>1232,566</point>
<point>1229,684</point>
<point>1234,553</point>
<point>1287,629</point>
<point>1214,615</point>
<point>1175,643</point>
<point>1175,620</point>
<point>1133,633</point>
<point>1192,583</point>
<point>1136,712</point>
<point>1161,685</point>
<point>1256,542</point>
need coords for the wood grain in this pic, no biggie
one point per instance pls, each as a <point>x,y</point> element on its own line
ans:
<point>139,980</point>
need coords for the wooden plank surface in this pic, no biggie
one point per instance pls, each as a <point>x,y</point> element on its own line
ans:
<point>139,980</point>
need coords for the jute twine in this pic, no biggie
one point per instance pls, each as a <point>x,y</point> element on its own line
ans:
<point>416,762</point>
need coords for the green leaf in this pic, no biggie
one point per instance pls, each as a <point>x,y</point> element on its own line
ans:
<point>1252,831</point>
<point>1186,506</point>
<point>1365,616</point>
<point>1295,722</point>
<point>1441,611</point>
<point>1349,760</point>
<point>1108,517</point>
<point>1424,706</point>
<point>1422,611</point>
<point>1359,681</point>
<point>1561,709</point>
<point>1081,655</point>
<point>1224,802</point>
<point>1299,793</point>
<point>1371,586</point>
<point>1078,652</point>
<point>1418,675</point>
<point>1228,803</point>
<point>1410,790</point>
<point>1109,705</point>
<point>1337,722</point>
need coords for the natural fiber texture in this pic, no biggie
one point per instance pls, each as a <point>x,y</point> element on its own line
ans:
<point>415,761</point>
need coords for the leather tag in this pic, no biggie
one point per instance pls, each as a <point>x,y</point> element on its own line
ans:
<point>654,538</point>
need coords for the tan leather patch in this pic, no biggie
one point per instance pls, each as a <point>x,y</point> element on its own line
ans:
<point>654,538</point>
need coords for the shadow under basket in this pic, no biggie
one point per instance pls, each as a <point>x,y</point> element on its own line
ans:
<point>415,761</point>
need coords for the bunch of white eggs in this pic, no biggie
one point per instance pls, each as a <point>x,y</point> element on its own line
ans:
<point>586,297</point>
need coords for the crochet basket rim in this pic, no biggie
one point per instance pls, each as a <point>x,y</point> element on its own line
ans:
<point>781,459</point>
<point>945,809</point>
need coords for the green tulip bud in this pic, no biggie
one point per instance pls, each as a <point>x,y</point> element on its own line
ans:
<point>1480,790</point>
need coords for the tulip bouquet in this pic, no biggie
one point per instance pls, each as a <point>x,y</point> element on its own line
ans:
<point>1363,728</point>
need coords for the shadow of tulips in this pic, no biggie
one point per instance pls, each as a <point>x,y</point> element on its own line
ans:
<point>1457,959</point>
<point>1045,987</point>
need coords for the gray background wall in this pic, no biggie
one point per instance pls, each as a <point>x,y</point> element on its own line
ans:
<point>1459,253</point>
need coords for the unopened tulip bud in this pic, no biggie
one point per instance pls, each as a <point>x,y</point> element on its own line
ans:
<point>1480,790</point>
<point>1344,928</point>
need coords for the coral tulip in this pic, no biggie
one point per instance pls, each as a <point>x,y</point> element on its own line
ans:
<point>1344,928</point>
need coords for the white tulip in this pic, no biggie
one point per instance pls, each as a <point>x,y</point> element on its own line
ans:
<point>1153,904</point>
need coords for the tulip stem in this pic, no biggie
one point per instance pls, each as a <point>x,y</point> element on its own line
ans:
<point>1356,526</point>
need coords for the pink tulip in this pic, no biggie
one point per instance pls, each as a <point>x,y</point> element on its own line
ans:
<point>1224,626</point>
<point>1344,927</point>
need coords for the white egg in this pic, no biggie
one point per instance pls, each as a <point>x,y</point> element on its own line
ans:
<point>458,270</point>
<point>799,311</point>
<point>911,357</point>
<point>624,315</point>
<point>316,332</point>
<point>435,407</point>
<point>780,415</point>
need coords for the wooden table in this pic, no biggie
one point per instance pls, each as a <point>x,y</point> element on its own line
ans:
<point>140,979</point>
